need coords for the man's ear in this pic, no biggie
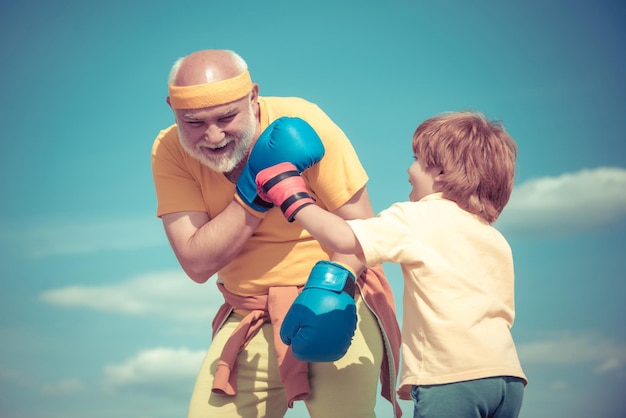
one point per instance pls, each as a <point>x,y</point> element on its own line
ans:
<point>167,99</point>
<point>255,92</point>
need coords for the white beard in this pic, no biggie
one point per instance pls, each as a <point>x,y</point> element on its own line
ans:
<point>225,163</point>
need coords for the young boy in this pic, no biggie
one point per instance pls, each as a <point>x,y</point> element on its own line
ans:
<point>459,358</point>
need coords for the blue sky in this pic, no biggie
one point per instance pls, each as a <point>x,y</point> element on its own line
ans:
<point>98,320</point>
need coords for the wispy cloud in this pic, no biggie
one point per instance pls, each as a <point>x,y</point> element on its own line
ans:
<point>571,202</point>
<point>15,379</point>
<point>168,294</point>
<point>38,238</point>
<point>64,387</point>
<point>163,367</point>
<point>601,353</point>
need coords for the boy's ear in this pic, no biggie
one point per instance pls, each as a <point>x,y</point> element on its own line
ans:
<point>439,177</point>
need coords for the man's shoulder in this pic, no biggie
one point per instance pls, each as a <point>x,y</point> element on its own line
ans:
<point>167,134</point>
<point>166,139</point>
<point>285,100</point>
<point>287,106</point>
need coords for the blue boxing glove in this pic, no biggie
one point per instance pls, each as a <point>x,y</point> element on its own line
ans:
<point>320,324</point>
<point>286,139</point>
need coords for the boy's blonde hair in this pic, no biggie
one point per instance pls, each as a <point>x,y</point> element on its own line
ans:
<point>476,158</point>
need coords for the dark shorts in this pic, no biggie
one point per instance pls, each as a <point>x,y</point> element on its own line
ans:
<point>494,397</point>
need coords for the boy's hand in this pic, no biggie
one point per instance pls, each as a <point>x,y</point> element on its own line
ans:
<point>285,139</point>
<point>282,185</point>
<point>320,324</point>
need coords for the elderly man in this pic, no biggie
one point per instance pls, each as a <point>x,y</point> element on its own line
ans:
<point>216,224</point>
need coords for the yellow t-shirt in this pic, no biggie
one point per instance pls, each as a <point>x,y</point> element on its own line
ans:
<point>279,253</point>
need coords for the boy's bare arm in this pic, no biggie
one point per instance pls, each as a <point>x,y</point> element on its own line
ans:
<point>329,229</point>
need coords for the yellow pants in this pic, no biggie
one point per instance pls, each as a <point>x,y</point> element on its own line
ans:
<point>346,388</point>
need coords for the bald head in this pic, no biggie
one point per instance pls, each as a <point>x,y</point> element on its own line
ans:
<point>206,66</point>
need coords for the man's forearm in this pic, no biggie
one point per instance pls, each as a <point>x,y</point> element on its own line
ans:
<point>215,243</point>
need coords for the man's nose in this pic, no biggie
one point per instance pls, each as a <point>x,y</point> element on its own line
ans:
<point>214,134</point>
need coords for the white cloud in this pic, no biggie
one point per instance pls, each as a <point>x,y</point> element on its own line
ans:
<point>169,294</point>
<point>13,377</point>
<point>16,379</point>
<point>559,385</point>
<point>568,203</point>
<point>64,387</point>
<point>45,238</point>
<point>154,367</point>
<point>601,353</point>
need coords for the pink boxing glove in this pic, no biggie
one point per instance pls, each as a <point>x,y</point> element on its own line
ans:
<point>282,185</point>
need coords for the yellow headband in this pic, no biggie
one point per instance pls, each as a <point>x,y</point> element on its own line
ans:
<point>210,94</point>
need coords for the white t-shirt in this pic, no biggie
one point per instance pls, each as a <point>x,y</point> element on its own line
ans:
<point>458,303</point>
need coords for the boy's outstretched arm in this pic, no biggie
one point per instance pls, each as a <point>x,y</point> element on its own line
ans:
<point>329,229</point>
<point>282,185</point>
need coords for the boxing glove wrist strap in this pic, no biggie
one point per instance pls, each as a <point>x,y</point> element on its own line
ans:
<point>283,185</point>
<point>332,276</point>
<point>350,287</point>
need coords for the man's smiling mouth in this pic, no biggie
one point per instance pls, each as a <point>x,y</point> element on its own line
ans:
<point>218,150</point>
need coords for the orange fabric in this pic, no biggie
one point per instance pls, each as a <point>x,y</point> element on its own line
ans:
<point>210,94</point>
<point>267,308</point>
<point>377,294</point>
